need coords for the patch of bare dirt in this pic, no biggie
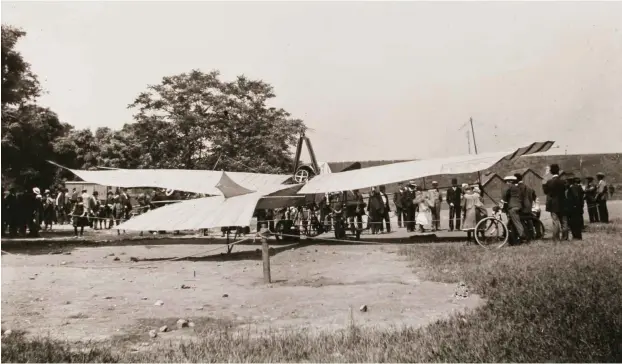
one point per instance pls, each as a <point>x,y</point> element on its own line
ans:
<point>88,295</point>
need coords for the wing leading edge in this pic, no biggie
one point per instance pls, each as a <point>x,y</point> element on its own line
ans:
<point>391,173</point>
<point>195,181</point>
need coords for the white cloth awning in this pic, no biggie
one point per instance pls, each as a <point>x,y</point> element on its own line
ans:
<point>391,173</point>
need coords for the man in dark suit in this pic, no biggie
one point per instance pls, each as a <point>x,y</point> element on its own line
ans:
<point>555,190</point>
<point>574,207</point>
<point>397,200</point>
<point>386,210</point>
<point>454,196</point>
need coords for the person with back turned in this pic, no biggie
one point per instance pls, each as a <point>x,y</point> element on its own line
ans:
<point>574,207</point>
<point>512,202</point>
<point>555,190</point>
<point>528,198</point>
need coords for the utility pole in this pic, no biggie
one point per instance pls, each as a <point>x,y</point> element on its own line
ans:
<point>468,140</point>
<point>473,132</point>
<point>479,175</point>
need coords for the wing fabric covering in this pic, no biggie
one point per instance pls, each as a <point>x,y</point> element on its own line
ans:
<point>391,173</point>
<point>229,188</point>
<point>200,213</point>
<point>212,212</point>
<point>195,181</point>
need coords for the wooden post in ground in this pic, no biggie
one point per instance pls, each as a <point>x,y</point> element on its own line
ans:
<point>265,253</point>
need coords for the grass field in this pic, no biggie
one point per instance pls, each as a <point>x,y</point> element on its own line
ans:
<point>546,302</point>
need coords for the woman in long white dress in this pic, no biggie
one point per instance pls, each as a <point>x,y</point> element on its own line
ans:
<point>423,205</point>
<point>471,202</point>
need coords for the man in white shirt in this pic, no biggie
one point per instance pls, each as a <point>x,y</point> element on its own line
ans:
<point>601,198</point>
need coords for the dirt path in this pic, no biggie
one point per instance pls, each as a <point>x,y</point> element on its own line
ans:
<point>315,286</point>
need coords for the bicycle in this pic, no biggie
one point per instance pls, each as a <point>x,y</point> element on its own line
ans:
<point>492,230</point>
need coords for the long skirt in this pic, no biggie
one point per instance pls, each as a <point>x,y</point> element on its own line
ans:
<point>80,221</point>
<point>470,219</point>
<point>423,217</point>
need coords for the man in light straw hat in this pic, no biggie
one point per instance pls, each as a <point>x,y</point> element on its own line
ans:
<point>512,201</point>
<point>436,199</point>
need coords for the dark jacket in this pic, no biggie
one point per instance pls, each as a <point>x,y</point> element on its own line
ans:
<point>375,203</point>
<point>397,199</point>
<point>529,196</point>
<point>407,199</point>
<point>384,197</point>
<point>590,193</point>
<point>555,190</point>
<point>514,195</point>
<point>454,196</point>
<point>574,199</point>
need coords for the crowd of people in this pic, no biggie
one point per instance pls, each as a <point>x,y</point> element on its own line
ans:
<point>417,208</point>
<point>28,212</point>
<point>567,199</point>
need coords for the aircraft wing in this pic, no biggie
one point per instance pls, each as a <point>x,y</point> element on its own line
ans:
<point>195,181</point>
<point>392,173</point>
<point>211,212</point>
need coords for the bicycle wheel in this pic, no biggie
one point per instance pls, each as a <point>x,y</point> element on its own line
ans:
<point>491,232</point>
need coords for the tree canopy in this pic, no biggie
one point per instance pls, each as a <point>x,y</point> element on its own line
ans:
<point>192,120</point>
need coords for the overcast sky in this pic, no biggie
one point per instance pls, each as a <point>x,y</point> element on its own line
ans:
<point>375,80</point>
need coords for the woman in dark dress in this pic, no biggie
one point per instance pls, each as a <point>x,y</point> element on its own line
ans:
<point>79,218</point>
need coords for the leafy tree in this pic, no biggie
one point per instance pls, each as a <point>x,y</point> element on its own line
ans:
<point>195,120</point>
<point>28,133</point>
<point>19,84</point>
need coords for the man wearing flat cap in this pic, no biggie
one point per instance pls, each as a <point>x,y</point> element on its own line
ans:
<point>454,196</point>
<point>435,198</point>
<point>601,198</point>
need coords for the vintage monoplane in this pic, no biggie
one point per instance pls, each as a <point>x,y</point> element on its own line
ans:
<point>235,196</point>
